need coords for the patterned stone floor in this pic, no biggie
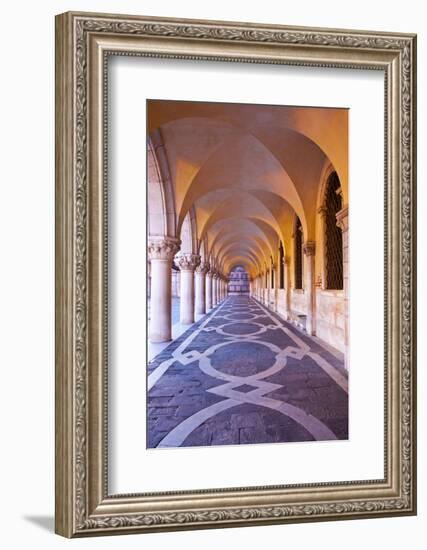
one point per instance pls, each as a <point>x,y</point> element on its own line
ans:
<point>243,375</point>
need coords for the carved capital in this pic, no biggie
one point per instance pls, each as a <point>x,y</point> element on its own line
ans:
<point>286,260</point>
<point>322,211</point>
<point>162,247</point>
<point>187,261</point>
<point>203,268</point>
<point>342,219</point>
<point>309,248</point>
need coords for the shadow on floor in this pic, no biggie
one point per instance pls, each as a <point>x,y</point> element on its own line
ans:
<point>44,522</point>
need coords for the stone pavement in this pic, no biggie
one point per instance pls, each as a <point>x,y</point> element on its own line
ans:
<point>243,375</point>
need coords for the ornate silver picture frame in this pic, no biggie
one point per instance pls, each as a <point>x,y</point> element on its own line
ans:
<point>84,43</point>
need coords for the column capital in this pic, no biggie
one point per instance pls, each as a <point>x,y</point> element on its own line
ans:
<point>286,260</point>
<point>322,210</point>
<point>203,268</point>
<point>162,247</point>
<point>187,261</point>
<point>309,248</point>
<point>342,219</point>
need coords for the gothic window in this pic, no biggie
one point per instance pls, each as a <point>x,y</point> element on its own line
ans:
<point>298,239</point>
<point>281,267</point>
<point>333,235</point>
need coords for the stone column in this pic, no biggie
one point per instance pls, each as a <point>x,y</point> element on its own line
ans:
<point>214,288</point>
<point>269,285</point>
<point>161,251</point>
<point>287,285</point>
<point>218,288</point>
<point>263,287</point>
<point>208,291</point>
<point>200,283</point>
<point>309,249</point>
<point>292,256</point>
<point>273,286</point>
<point>342,223</point>
<point>187,263</point>
<point>218,281</point>
<point>276,286</point>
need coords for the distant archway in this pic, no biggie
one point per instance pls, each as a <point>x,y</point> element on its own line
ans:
<point>238,281</point>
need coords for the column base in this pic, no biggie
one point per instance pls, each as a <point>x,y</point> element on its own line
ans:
<point>159,338</point>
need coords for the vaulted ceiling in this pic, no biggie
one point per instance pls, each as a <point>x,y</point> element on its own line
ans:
<point>243,171</point>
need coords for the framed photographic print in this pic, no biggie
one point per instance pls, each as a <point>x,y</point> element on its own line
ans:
<point>235,274</point>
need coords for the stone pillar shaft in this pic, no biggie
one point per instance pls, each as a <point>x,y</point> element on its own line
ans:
<point>208,291</point>
<point>309,253</point>
<point>215,290</point>
<point>200,283</point>
<point>161,251</point>
<point>276,285</point>
<point>187,263</point>
<point>267,303</point>
<point>287,285</point>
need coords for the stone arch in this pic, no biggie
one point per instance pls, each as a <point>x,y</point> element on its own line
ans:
<point>188,234</point>
<point>160,196</point>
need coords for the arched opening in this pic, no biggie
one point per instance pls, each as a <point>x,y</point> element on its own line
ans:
<point>298,263</point>
<point>333,235</point>
<point>238,281</point>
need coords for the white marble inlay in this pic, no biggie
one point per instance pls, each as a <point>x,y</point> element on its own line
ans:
<point>257,396</point>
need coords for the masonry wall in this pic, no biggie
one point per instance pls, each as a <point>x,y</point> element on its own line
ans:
<point>330,317</point>
<point>298,302</point>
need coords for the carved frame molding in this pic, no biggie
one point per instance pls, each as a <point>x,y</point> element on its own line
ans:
<point>83,43</point>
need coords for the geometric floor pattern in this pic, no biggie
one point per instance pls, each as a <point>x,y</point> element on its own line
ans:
<point>243,375</point>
